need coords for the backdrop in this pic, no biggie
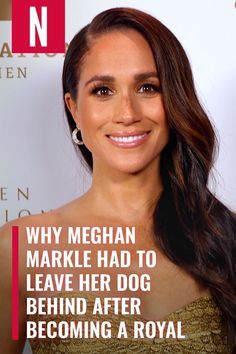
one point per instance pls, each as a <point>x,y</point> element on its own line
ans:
<point>39,167</point>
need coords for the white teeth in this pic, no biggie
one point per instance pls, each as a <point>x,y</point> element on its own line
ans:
<point>127,139</point>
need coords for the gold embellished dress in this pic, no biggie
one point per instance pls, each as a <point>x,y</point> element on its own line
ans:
<point>200,320</point>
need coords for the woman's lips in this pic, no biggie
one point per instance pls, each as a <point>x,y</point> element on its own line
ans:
<point>125,139</point>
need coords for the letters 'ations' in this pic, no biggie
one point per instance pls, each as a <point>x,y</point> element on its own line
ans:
<point>38,26</point>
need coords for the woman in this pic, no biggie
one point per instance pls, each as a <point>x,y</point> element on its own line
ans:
<point>133,112</point>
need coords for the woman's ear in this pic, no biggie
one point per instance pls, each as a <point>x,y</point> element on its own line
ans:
<point>71,105</point>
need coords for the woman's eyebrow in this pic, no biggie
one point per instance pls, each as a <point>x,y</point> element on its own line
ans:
<point>106,78</point>
<point>109,78</point>
<point>145,75</point>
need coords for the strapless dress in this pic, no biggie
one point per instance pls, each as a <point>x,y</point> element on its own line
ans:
<point>201,323</point>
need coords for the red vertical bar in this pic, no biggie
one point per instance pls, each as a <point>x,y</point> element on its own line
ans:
<point>15,283</point>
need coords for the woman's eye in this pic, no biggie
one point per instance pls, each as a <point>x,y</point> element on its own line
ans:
<point>102,91</point>
<point>149,88</point>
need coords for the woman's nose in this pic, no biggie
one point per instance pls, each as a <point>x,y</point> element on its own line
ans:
<point>126,111</point>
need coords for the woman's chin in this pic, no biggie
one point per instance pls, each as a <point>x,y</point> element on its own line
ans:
<point>130,168</point>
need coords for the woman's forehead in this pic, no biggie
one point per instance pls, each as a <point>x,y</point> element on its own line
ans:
<point>118,52</point>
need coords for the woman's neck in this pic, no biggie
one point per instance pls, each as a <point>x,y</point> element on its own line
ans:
<point>131,197</point>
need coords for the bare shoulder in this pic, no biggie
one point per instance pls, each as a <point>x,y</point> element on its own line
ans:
<point>31,220</point>
<point>68,214</point>
<point>6,233</point>
<point>21,223</point>
<point>50,218</point>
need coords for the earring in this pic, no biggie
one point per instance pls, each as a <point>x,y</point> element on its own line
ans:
<point>75,139</point>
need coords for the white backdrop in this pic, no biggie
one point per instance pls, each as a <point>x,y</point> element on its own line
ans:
<point>35,147</point>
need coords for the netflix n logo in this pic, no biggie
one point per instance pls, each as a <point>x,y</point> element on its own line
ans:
<point>38,26</point>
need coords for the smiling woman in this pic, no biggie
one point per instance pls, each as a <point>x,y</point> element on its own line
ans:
<point>129,89</point>
<point>119,110</point>
<point>134,114</point>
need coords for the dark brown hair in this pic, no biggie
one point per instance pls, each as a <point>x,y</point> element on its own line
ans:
<point>193,228</point>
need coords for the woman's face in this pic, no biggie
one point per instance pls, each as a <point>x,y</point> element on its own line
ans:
<point>119,106</point>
